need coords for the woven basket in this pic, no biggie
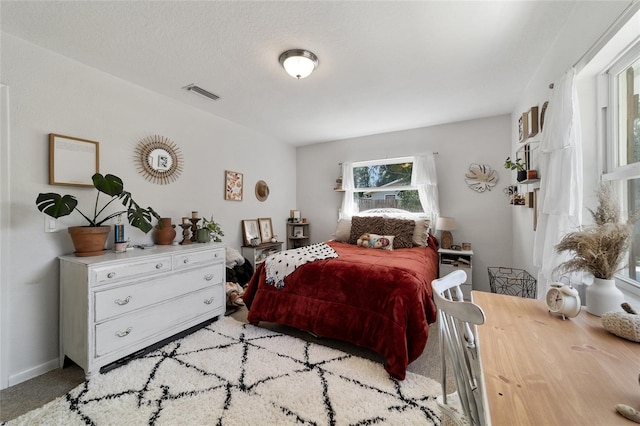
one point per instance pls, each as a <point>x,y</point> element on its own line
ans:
<point>622,324</point>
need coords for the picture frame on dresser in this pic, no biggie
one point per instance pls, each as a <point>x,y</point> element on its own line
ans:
<point>266,229</point>
<point>250,230</point>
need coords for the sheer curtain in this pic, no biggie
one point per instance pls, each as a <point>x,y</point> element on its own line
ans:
<point>349,207</point>
<point>560,198</point>
<point>425,177</point>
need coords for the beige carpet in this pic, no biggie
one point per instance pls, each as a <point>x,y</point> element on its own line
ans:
<point>26,396</point>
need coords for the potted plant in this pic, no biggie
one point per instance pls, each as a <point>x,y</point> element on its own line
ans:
<point>56,205</point>
<point>211,230</point>
<point>600,249</point>
<point>516,165</point>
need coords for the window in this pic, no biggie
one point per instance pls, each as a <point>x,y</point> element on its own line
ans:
<point>388,183</point>
<point>622,146</point>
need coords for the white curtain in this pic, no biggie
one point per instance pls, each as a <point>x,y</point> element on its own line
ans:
<point>560,162</point>
<point>349,207</point>
<point>425,177</point>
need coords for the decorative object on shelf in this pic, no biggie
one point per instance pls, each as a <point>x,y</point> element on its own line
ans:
<point>250,231</point>
<point>466,246</point>
<point>158,159</point>
<point>186,232</point>
<point>56,205</point>
<point>518,165</point>
<point>194,228</point>
<point>72,160</point>
<point>214,229</point>
<point>262,190</point>
<point>445,225</point>
<point>532,122</point>
<point>481,177</point>
<point>542,114</point>
<point>164,232</point>
<point>532,174</point>
<point>266,229</point>
<point>600,249</point>
<point>255,242</point>
<point>294,216</point>
<point>298,63</point>
<point>232,186</point>
<point>523,131</point>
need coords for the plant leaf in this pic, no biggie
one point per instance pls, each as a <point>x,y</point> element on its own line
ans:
<point>109,184</point>
<point>55,205</point>
<point>140,218</point>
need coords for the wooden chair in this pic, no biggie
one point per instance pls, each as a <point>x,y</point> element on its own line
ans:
<point>458,344</point>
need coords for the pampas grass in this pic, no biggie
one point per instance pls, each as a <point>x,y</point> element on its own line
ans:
<point>601,247</point>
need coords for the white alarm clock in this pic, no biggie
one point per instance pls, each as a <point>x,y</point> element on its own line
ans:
<point>564,300</point>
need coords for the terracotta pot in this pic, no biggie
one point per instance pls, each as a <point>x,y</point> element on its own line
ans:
<point>164,235</point>
<point>89,240</point>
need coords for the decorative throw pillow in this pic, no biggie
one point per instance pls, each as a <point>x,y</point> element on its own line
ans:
<point>421,232</point>
<point>343,231</point>
<point>375,241</point>
<point>402,229</point>
<point>363,224</point>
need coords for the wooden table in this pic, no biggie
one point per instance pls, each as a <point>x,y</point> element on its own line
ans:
<point>540,370</point>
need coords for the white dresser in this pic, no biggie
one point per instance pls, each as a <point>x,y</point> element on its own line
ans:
<point>116,304</point>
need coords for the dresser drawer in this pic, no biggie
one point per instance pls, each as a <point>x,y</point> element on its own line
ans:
<point>188,260</point>
<point>129,329</point>
<point>120,300</point>
<point>113,273</point>
<point>447,269</point>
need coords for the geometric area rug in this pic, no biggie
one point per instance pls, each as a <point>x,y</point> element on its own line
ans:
<point>231,373</point>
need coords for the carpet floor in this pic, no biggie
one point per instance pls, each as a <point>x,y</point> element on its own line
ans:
<point>232,373</point>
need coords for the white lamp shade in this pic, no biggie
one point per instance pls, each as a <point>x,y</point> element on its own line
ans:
<point>299,63</point>
<point>445,224</point>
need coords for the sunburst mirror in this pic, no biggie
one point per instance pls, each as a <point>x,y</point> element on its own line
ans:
<point>158,159</point>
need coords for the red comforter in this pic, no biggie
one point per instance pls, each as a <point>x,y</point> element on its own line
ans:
<point>377,299</point>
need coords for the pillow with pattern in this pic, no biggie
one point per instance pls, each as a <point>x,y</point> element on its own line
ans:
<point>375,241</point>
<point>402,230</point>
<point>365,224</point>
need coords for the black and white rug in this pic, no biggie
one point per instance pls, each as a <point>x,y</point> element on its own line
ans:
<point>230,373</point>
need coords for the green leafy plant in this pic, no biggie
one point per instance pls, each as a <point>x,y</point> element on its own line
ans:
<point>215,230</point>
<point>514,165</point>
<point>56,205</point>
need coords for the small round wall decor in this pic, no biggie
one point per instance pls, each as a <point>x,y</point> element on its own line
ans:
<point>158,159</point>
<point>481,177</point>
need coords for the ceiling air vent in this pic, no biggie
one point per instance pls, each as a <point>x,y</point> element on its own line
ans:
<point>202,92</point>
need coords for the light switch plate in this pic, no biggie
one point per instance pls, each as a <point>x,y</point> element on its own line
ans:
<point>50,224</point>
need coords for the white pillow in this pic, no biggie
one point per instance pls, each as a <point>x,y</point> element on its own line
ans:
<point>421,232</point>
<point>343,231</point>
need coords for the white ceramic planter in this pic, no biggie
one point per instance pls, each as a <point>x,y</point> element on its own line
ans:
<point>603,296</point>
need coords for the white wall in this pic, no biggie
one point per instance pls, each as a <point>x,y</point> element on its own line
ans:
<point>52,94</point>
<point>561,57</point>
<point>483,219</point>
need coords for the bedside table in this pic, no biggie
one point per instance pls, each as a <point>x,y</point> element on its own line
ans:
<point>452,260</point>
<point>257,254</point>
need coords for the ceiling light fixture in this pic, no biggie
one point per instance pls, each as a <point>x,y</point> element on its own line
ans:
<point>299,63</point>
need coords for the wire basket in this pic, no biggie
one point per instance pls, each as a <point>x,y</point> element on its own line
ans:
<point>512,281</point>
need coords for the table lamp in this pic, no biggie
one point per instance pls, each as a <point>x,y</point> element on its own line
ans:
<point>446,224</point>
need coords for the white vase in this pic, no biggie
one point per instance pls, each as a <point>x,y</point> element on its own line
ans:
<point>603,296</point>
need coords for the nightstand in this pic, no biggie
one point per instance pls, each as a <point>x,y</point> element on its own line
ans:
<point>257,254</point>
<point>452,260</point>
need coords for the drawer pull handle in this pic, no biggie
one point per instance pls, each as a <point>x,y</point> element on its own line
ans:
<point>209,301</point>
<point>208,277</point>
<point>159,266</point>
<point>111,274</point>
<point>185,261</point>
<point>123,302</point>
<point>124,333</point>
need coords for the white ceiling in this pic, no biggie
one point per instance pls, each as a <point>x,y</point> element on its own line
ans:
<point>384,66</point>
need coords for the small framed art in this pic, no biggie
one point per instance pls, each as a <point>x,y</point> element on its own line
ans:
<point>266,230</point>
<point>250,231</point>
<point>72,161</point>
<point>298,231</point>
<point>233,186</point>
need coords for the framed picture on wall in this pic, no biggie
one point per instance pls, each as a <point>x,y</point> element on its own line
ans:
<point>233,186</point>
<point>266,230</point>
<point>72,161</point>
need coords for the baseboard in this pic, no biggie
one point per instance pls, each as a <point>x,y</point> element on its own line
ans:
<point>33,372</point>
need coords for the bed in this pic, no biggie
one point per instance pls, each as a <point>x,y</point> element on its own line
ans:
<point>376,298</point>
